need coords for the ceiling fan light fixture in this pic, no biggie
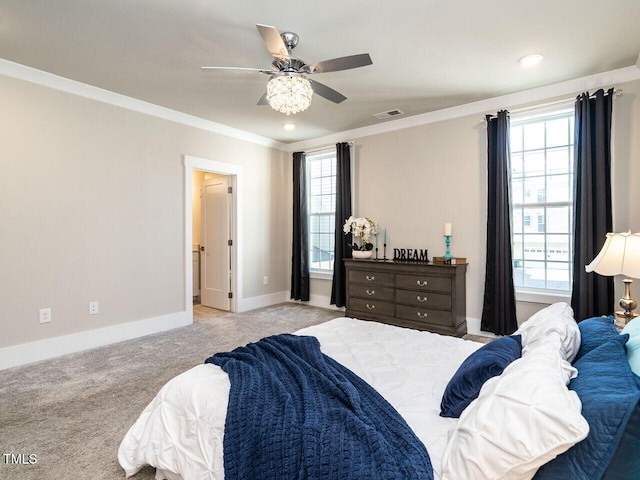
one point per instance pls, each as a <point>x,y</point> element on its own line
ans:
<point>289,94</point>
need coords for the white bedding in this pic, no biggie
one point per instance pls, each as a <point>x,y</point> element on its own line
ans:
<point>181,431</point>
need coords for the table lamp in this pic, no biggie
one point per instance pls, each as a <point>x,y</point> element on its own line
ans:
<point>620,255</point>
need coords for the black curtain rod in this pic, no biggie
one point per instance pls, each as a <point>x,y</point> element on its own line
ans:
<point>616,92</point>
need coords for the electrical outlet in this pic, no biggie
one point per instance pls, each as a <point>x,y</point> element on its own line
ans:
<point>265,280</point>
<point>93,308</point>
<point>45,315</point>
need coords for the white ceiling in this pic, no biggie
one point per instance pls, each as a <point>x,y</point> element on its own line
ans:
<point>427,54</point>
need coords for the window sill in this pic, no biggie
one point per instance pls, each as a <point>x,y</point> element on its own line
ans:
<point>542,296</point>
<point>321,275</point>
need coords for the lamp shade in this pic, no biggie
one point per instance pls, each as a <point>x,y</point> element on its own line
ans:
<point>620,255</point>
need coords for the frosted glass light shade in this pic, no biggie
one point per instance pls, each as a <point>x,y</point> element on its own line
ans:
<point>620,255</point>
<point>289,94</point>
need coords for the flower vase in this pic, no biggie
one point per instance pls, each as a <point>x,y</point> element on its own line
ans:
<point>362,254</point>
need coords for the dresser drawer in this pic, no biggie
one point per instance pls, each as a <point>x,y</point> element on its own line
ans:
<point>424,299</point>
<point>373,292</point>
<point>424,282</point>
<point>371,278</point>
<point>424,315</point>
<point>408,294</point>
<point>366,306</point>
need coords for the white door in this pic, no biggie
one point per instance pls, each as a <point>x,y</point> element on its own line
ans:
<point>215,254</point>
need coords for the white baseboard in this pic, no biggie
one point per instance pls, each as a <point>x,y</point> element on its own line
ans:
<point>321,301</point>
<point>473,324</point>
<point>246,304</point>
<point>25,353</point>
<point>473,328</point>
<point>252,303</point>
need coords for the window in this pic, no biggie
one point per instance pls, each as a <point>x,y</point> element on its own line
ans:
<point>321,188</point>
<point>542,201</point>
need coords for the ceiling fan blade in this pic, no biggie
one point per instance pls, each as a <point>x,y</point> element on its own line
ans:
<point>272,39</point>
<point>341,63</point>
<point>327,92</point>
<point>263,99</point>
<point>260,70</point>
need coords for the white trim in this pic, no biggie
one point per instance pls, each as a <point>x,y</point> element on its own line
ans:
<point>568,87</point>
<point>39,77</point>
<point>321,301</point>
<point>26,353</point>
<point>473,328</point>
<point>50,80</point>
<point>192,163</point>
<point>246,304</point>
<point>270,299</point>
<point>547,297</point>
<point>318,275</point>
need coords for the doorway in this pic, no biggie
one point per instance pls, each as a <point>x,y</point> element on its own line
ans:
<point>226,284</point>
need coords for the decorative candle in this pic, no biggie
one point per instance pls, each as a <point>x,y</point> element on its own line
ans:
<point>385,236</point>
<point>447,229</point>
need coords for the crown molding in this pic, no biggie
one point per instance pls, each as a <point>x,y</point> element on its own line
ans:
<point>39,77</point>
<point>490,105</point>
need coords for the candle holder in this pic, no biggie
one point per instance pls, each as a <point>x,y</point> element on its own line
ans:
<point>376,253</point>
<point>384,258</point>
<point>447,242</point>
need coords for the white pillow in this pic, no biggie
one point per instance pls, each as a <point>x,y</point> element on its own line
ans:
<point>556,318</point>
<point>520,421</point>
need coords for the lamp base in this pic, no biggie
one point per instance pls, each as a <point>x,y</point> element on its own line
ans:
<point>627,303</point>
<point>621,318</point>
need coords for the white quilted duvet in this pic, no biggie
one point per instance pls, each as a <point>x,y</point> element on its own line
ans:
<point>181,431</point>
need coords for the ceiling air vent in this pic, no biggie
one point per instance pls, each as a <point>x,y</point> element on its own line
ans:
<point>388,114</point>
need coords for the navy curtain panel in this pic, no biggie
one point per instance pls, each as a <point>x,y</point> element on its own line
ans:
<point>499,307</point>
<point>300,243</point>
<point>343,211</point>
<point>592,294</point>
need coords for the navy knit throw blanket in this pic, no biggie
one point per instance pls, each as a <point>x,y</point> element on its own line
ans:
<point>295,413</point>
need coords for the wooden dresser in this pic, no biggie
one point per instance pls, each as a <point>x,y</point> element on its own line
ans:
<point>415,295</point>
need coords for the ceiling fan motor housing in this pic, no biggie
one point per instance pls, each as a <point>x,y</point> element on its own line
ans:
<point>290,39</point>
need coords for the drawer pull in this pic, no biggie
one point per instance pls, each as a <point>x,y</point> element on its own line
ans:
<point>371,307</point>
<point>421,299</point>
<point>422,283</point>
<point>423,315</point>
<point>370,278</point>
<point>371,292</point>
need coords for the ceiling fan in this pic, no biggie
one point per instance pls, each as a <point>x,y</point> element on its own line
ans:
<point>289,90</point>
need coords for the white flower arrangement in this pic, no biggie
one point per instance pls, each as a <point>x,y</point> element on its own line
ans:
<point>362,228</point>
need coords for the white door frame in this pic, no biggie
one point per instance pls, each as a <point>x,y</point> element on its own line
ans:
<point>192,163</point>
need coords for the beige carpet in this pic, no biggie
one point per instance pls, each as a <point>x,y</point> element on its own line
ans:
<point>70,413</point>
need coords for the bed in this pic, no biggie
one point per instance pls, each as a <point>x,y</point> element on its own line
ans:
<point>555,400</point>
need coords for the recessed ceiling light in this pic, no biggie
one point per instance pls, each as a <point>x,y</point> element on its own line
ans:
<point>530,60</point>
<point>289,126</point>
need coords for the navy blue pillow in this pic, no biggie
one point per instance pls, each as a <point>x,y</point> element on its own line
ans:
<point>594,332</point>
<point>486,362</point>
<point>610,393</point>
